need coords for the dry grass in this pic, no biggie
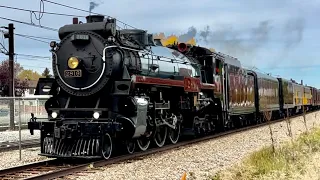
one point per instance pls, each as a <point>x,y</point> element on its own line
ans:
<point>286,162</point>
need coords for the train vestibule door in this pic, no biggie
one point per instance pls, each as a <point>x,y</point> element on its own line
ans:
<point>222,81</point>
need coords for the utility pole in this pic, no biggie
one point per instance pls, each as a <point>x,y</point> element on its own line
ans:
<point>10,36</point>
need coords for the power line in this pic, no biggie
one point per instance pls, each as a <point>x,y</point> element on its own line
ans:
<point>294,67</point>
<point>263,69</point>
<point>34,59</point>
<point>3,49</point>
<point>34,66</point>
<point>34,56</point>
<point>72,7</point>
<point>29,59</point>
<point>34,39</point>
<point>2,38</point>
<point>42,12</point>
<point>87,12</point>
<point>30,24</point>
<point>29,36</point>
<point>39,37</point>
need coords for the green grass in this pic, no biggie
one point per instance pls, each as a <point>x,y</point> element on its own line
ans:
<point>286,159</point>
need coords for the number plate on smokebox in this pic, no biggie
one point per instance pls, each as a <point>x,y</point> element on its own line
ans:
<point>72,73</point>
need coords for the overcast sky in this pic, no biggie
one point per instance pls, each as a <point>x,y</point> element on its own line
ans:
<point>280,37</point>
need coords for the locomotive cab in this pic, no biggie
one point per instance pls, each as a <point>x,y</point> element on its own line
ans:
<point>207,70</point>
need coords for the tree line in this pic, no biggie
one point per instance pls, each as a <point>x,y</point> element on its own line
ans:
<point>22,78</point>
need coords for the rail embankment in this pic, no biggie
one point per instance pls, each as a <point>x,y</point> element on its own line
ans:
<point>297,158</point>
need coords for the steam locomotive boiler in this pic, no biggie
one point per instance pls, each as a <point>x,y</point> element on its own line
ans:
<point>118,89</point>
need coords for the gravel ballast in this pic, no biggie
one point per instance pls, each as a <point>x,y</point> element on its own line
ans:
<point>11,158</point>
<point>201,160</point>
<point>11,136</point>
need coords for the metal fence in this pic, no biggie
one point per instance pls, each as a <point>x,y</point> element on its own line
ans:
<point>22,109</point>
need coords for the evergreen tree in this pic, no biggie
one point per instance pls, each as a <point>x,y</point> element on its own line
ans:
<point>46,73</point>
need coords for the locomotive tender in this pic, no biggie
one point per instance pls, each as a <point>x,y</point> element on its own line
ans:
<point>119,88</point>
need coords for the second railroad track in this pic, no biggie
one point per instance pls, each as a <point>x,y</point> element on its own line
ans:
<point>13,145</point>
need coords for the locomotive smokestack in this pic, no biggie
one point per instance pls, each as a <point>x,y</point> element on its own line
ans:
<point>94,18</point>
<point>302,82</point>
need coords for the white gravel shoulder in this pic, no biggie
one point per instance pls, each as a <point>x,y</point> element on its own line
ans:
<point>11,158</point>
<point>203,159</point>
<point>10,136</point>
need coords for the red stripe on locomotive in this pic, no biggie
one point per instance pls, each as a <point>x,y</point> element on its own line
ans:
<point>189,84</point>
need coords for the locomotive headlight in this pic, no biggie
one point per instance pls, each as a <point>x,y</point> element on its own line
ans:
<point>54,115</point>
<point>96,115</point>
<point>73,62</point>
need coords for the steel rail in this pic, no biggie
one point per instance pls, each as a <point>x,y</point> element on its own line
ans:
<point>14,145</point>
<point>14,172</point>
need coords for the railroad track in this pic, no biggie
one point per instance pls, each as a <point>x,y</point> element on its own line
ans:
<point>56,169</point>
<point>36,170</point>
<point>13,145</point>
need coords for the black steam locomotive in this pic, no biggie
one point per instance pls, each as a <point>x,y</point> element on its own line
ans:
<point>116,87</point>
<point>121,88</point>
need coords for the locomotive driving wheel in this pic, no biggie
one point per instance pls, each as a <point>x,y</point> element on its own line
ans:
<point>174,134</point>
<point>143,143</point>
<point>160,135</point>
<point>106,146</point>
<point>130,145</point>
